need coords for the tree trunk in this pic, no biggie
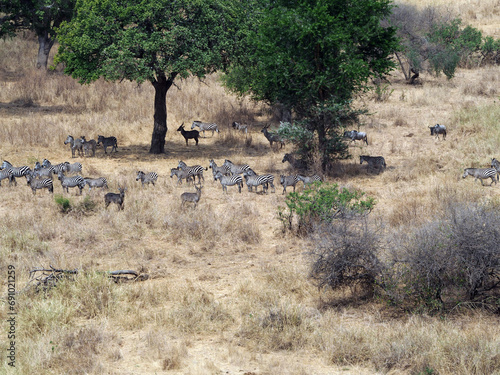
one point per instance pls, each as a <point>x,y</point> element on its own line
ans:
<point>161,85</point>
<point>45,44</point>
<point>322,148</point>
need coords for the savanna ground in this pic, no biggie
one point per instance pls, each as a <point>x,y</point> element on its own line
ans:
<point>228,291</point>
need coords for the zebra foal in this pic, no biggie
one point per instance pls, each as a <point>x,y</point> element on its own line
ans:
<point>226,181</point>
<point>482,174</point>
<point>374,162</point>
<point>147,178</point>
<point>180,175</point>
<point>238,126</point>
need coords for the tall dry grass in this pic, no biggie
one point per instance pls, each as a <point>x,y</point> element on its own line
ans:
<point>228,291</point>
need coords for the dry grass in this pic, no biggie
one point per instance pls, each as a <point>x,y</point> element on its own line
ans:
<point>228,291</point>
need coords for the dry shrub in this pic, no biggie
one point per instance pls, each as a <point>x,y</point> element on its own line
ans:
<point>400,122</point>
<point>161,346</point>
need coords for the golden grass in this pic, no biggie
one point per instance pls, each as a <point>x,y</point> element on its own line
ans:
<point>228,291</point>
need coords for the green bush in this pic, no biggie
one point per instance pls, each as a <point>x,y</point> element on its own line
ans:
<point>321,203</point>
<point>63,203</point>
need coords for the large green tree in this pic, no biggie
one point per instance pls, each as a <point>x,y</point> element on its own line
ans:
<point>314,56</point>
<point>149,40</point>
<point>40,16</point>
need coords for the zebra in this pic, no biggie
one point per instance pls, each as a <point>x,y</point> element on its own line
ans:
<point>205,126</point>
<point>354,135</point>
<point>223,169</point>
<point>374,162</point>
<point>74,181</point>
<point>180,175</point>
<point>43,172</point>
<point>238,126</point>
<point>271,137</point>
<point>107,142</point>
<point>73,168</point>
<point>147,178</point>
<point>195,170</point>
<point>192,197</point>
<point>296,163</point>
<point>226,181</point>
<point>438,129</point>
<point>482,173</point>
<point>256,180</point>
<point>75,144</point>
<point>89,147</point>
<point>43,183</point>
<point>189,134</point>
<point>495,164</point>
<point>15,171</point>
<point>116,198</point>
<point>236,169</point>
<point>6,174</point>
<point>61,167</point>
<point>96,182</point>
<point>288,181</point>
<point>307,180</point>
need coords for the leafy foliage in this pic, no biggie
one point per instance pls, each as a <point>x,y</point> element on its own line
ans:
<point>322,203</point>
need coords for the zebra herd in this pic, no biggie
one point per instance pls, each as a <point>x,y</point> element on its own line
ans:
<point>82,147</point>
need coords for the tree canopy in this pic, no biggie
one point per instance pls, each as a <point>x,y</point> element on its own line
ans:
<point>313,57</point>
<point>40,16</point>
<point>149,40</point>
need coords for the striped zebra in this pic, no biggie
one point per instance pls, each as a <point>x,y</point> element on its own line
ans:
<point>256,180</point>
<point>223,169</point>
<point>241,128</point>
<point>205,126</point>
<point>195,170</point>
<point>75,144</point>
<point>146,177</point>
<point>40,183</point>
<point>61,167</point>
<point>89,147</point>
<point>180,175</point>
<point>226,181</point>
<point>15,171</point>
<point>308,180</point>
<point>482,173</point>
<point>374,162</point>
<point>96,182</point>
<point>73,168</point>
<point>6,174</point>
<point>495,164</point>
<point>73,181</point>
<point>42,172</point>
<point>236,169</point>
<point>107,142</point>
<point>289,181</point>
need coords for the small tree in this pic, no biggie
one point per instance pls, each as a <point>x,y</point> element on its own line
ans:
<point>151,40</point>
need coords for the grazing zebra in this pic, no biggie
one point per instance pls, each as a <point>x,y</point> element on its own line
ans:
<point>36,183</point>
<point>89,147</point>
<point>495,164</point>
<point>180,175</point>
<point>116,198</point>
<point>205,126</point>
<point>195,170</point>
<point>438,129</point>
<point>189,134</point>
<point>288,181</point>
<point>296,163</point>
<point>6,174</point>
<point>238,126</point>
<point>15,171</point>
<point>482,173</point>
<point>374,162</point>
<point>236,169</point>
<point>256,180</point>
<point>308,180</point>
<point>73,168</point>
<point>192,197</point>
<point>107,142</point>
<point>96,182</point>
<point>73,181</point>
<point>147,178</point>
<point>226,181</point>
<point>271,137</point>
<point>354,135</point>
<point>75,144</point>
<point>223,169</point>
